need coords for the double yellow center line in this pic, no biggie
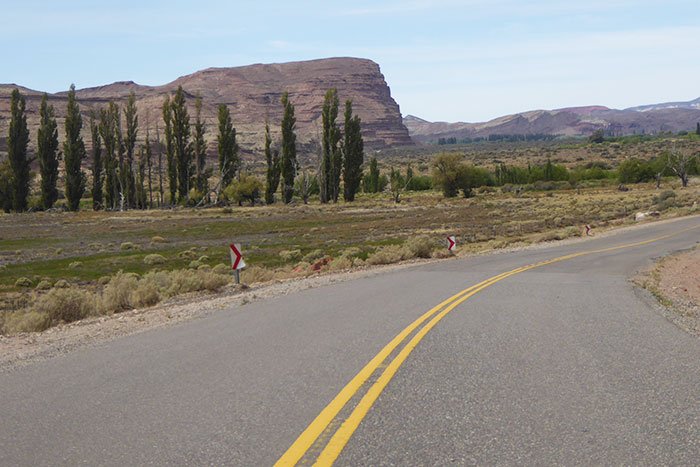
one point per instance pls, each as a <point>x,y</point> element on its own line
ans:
<point>342,435</point>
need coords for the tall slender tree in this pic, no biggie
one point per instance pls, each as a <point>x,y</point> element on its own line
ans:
<point>227,148</point>
<point>47,153</point>
<point>353,148</point>
<point>97,173</point>
<point>272,157</point>
<point>288,162</point>
<point>169,149</point>
<point>17,141</point>
<point>74,153</point>
<point>108,132</point>
<point>149,165</point>
<point>200,151</point>
<point>132,130</point>
<point>181,143</point>
<point>329,177</point>
<point>122,185</point>
<point>161,194</point>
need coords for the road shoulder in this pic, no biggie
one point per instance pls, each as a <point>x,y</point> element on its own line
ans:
<point>674,281</point>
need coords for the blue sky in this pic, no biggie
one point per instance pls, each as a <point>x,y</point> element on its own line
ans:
<point>444,60</point>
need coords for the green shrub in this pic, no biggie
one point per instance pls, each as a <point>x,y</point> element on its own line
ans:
<point>290,255</point>
<point>194,264</point>
<point>23,282</point>
<point>187,254</point>
<point>61,284</point>
<point>126,246</point>
<point>313,256</point>
<point>75,265</point>
<point>43,285</point>
<point>154,259</point>
<point>221,268</point>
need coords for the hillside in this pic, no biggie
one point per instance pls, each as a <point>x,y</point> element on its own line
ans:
<point>253,96</point>
<point>573,121</point>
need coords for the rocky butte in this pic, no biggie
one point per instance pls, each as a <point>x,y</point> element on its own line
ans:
<point>253,95</point>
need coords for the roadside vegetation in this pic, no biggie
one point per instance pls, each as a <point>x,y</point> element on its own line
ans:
<point>145,224</point>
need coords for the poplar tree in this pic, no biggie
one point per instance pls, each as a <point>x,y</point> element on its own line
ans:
<point>181,143</point>
<point>200,151</point>
<point>272,157</point>
<point>47,153</point>
<point>169,151</point>
<point>149,165</point>
<point>17,141</point>
<point>288,162</point>
<point>74,153</point>
<point>353,147</point>
<point>227,147</point>
<point>329,177</point>
<point>161,194</point>
<point>97,175</point>
<point>127,170</point>
<point>108,132</point>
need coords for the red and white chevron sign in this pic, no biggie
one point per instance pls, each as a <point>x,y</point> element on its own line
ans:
<point>451,242</point>
<point>236,257</point>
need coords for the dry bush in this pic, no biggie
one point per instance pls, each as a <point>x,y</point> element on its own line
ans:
<point>194,264</point>
<point>351,252</point>
<point>290,255</point>
<point>187,254</point>
<point>340,263</point>
<point>221,268</point>
<point>25,321</point>
<point>313,256</point>
<point>171,283</point>
<point>43,285</point>
<point>441,253</point>
<point>75,265</point>
<point>257,274</point>
<point>420,247</point>
<point>125,246</point>
<point>116,295</point>
<point>145,294</point>
<point>66,305</point>
<point>61,284</point>
<point>387,255</point>
<point>154,259</point>
<point>158,239</point>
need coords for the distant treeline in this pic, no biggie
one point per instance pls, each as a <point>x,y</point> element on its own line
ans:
<point>498,138</point>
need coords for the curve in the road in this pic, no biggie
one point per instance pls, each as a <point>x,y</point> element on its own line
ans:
<point>320,426</point>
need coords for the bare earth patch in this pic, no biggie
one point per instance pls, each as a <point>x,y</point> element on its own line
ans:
<point>675,282</point>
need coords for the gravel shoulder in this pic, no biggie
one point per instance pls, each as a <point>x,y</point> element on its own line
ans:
<point>675,282</point>
<point>23,349</point>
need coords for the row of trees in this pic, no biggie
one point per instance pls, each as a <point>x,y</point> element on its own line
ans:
<point>15,172</point>
<point>123,175</point>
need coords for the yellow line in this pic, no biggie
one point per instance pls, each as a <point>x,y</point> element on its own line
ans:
<point>340,438</point>
<point>302,444</point>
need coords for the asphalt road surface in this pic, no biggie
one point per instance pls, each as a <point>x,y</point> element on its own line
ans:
<point>563,363</point>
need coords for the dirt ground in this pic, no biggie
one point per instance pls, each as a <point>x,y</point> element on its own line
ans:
<point>679,278</point>
<point>675,281</point>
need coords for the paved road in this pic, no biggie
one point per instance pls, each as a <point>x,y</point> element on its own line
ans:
<point>566,363</point>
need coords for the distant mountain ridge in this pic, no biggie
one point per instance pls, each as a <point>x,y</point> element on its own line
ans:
<point>571,121</point>
<point>253,94</point>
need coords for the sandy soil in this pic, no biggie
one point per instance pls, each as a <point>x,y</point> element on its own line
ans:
<point>21,349</point>
<point>675,281</point>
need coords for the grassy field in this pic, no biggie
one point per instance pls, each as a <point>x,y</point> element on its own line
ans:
<point>37,250</point>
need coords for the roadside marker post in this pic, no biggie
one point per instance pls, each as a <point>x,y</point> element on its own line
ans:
<point>237,262</point>
<point>451,243</point>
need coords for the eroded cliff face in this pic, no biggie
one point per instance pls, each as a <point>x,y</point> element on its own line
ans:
<point>253,96</point>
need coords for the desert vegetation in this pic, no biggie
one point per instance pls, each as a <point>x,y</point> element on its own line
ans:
<point>140,233</point>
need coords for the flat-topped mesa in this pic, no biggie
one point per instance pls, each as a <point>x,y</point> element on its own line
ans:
<point>253,95</point>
